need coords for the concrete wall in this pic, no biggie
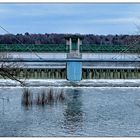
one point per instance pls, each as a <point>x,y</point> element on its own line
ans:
<point>84,55</point>
<point>110,55</point>
<point>35,55</point>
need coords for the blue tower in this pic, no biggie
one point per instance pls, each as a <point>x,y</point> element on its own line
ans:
<point>74,69</point>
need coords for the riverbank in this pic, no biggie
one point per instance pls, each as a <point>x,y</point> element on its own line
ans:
<point>65,83</point>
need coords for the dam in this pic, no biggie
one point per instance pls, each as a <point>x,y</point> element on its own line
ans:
<point>73,61</point>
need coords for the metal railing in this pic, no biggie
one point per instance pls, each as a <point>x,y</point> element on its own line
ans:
<point>34,48</point>
<point>85,48</point>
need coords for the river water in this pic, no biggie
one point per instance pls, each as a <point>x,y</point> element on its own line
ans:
<point>94,111</point>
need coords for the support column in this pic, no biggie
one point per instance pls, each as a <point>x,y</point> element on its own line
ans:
<point>70,45</point>
<point>78,46</point>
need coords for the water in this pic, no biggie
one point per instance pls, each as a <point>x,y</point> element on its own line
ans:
<point>85,112</point>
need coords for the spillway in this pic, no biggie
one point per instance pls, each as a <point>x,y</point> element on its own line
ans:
<point>38,73</point>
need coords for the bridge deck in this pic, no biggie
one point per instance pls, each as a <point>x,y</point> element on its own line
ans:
<point>67,60</point>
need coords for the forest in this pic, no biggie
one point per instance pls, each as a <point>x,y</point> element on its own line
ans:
<point>53,38</point>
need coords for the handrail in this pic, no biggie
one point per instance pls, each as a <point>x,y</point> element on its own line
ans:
<point>65,60</point>
<point>85,48</point>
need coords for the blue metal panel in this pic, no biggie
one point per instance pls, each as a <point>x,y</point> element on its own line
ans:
<point>74,71</point>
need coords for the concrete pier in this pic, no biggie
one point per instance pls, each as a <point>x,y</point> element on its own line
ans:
<point>74,71</point>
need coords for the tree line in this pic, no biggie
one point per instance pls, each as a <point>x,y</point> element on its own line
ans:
<point>60,39</point>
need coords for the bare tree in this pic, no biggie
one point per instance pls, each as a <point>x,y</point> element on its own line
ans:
<point>7,69</point>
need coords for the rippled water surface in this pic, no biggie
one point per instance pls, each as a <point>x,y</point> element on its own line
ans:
<point>84,112</point>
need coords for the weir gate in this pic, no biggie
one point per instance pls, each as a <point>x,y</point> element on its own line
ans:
<point>74,67</point>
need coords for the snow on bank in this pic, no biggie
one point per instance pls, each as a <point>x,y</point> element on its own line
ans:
<point>65,83</point>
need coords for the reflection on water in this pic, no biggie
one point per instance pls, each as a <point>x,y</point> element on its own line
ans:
<point>3,100</point>
<point>73,112</point>
<point>70,112</point>
<point>42,98</point>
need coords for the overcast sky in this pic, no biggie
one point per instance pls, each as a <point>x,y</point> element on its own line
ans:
<point>70,18</point>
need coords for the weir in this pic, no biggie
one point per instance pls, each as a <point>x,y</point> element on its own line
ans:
<point>86,73</point>
<point>75,67</point>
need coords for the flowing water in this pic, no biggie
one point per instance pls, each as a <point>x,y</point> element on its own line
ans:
<point>84,112</point>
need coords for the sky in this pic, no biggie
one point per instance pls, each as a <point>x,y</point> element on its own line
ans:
<point>99,19</point>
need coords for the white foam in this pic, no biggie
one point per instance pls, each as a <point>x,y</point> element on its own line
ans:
<point>65,83</point>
